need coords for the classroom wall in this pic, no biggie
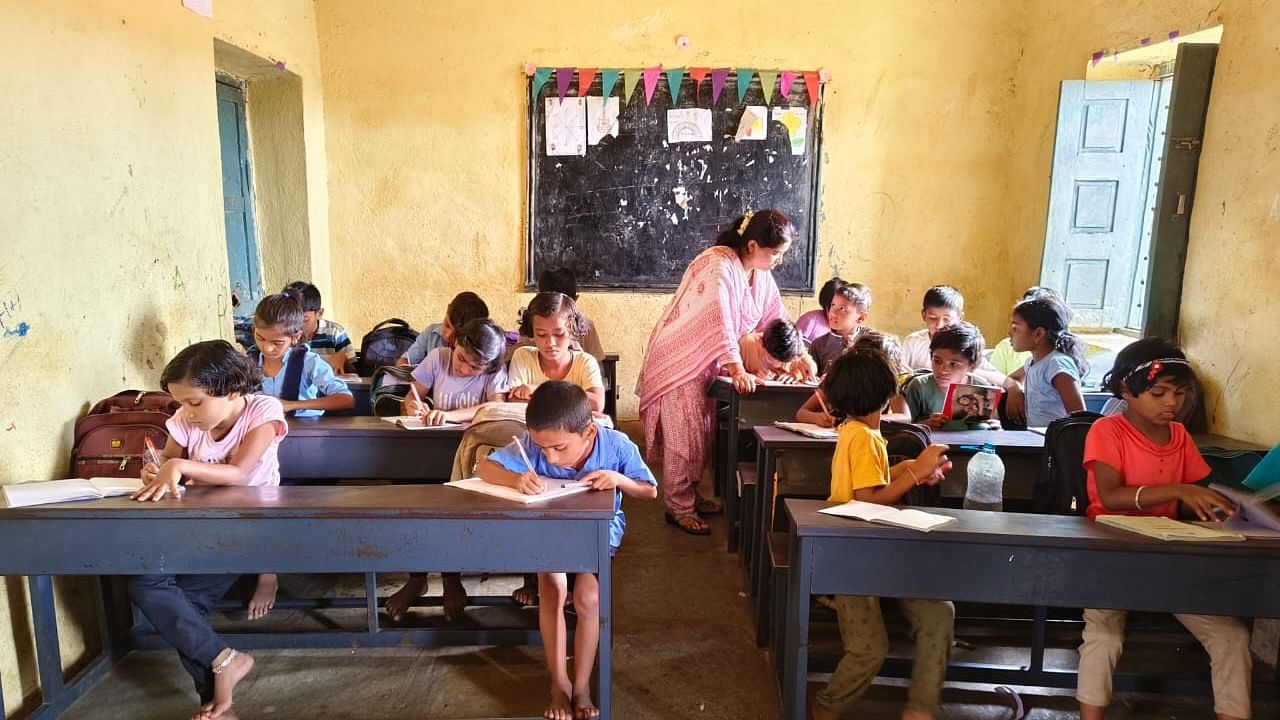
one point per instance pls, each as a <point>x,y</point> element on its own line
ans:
<point>426,121</point>
<point>1230,272</point>
<point>114,254</point>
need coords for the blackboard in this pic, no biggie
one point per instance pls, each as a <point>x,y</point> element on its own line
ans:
<point>614,215</point>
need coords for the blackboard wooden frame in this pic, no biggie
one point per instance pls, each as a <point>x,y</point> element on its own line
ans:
<point>669,256</point>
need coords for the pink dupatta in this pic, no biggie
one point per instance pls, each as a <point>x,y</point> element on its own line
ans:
<point>715,305</point>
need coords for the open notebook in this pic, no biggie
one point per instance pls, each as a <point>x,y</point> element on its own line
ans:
<point>1163,528</point>
<point>808,429</point>
<point>55,491</point>
<point>889,515</point>
<point>555,489</point>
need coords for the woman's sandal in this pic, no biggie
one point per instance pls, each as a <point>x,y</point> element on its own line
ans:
<point>709,506</point>
<point>690,523</point>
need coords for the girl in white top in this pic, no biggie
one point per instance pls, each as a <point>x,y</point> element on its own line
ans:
<point>556,325</point>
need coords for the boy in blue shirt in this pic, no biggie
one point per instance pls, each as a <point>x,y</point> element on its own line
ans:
<point>564,444</point>
<point>277,328</point>
<point>325,337</point>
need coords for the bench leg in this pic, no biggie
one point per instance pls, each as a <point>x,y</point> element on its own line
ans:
<point>371,600</point>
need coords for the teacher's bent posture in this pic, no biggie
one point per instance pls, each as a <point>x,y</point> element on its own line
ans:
<point>727,291</point>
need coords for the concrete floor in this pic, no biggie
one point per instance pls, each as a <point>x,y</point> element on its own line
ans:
<point>683,648</point>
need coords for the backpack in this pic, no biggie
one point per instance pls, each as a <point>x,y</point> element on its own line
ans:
<point>905,441</point>
<point>384,344</point>
<point>390,384</point>
<point>1061,488</point>
<point>109,439</point>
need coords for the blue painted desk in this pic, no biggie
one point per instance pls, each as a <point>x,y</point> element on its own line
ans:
<point>365,530</point>
<point>771,401</point>
<point>1013,558</point>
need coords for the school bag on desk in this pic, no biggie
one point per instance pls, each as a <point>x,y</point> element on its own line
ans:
<point>1061,487</point>
<point>905,441</point>
<point>390,385</point>
<point>109,440</point>
<point>384,344</point>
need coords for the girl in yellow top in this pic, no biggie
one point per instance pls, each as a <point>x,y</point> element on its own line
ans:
<point>858,386</point>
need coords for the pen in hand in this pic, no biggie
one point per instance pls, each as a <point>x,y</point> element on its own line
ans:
<point>528,463</point>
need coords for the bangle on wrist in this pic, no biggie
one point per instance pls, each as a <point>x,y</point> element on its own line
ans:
<point>1137,497</point>
<point>914,480</point>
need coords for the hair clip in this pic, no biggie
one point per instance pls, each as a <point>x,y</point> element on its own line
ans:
<point>1154,368</point>
<point>746,219</point>
<point>1154,372</point>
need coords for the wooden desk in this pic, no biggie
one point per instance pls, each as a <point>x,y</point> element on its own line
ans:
<point>1230,444</point>
<point>362,391</point>
<point>742,412</point>
<point>1012,558</point>
<point>609,369</point>
<point>366,448</point>
<point>297,530</point>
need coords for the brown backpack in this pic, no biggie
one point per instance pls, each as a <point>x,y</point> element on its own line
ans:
<point>109,439</point>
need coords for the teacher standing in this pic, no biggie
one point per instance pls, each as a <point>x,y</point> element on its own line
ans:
<point>726,292</point>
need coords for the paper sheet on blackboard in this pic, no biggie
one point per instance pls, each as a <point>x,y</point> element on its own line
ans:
<point>796,120</point>
<point>754,124</point>
<point>689,125</point>
<point>566,126</point>
<point>602,118</point>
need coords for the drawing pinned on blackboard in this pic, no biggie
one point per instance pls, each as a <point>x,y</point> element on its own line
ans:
<point>566,126</point>
<point>602,118</point>
<point>754,124</point>
<point>796,120</point>
<point>689,125</point>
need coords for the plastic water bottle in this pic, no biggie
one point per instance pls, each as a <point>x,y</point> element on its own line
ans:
<point>985,490</point>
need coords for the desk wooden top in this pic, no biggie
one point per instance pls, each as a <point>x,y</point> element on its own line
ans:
<point>363,383</point>
<point>721,388</point>
<point>362,426</point>
<point>1015,530</point>
<point>1230,444</point>
<point>418,502</point>
<point>776,437</point>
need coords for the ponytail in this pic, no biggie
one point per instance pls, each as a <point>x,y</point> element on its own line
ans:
<point>769,228</point>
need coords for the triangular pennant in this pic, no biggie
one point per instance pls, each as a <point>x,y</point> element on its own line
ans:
<point>630,78</point>
<point>540,78</point>
<point>586,76</point>
<point>767,80</point>
<point>744,81</point>
<point>675,77</point>
<point>650,82</point>
<point>813,85</point>
<point>564,76</point>
<point>608,78</point>
<point>785,80</point>
<point>718,76</point>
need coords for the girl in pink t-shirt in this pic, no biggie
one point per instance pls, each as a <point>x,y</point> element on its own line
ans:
<point>1144,462</point>
<point>223,435</point>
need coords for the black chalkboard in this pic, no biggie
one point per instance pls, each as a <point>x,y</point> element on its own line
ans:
<point>614,215</point>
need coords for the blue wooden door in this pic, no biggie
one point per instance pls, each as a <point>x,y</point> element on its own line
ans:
<point>1097,196</point>
<point>237,199</point>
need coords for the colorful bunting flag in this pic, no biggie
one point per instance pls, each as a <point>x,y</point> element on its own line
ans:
<point>608,78</point>
<point>564,76</point>
<point>630,78</point>
<point>785,80</point>
<point>540,77</point>
<point>718,76</point>
<point>650,82</point>
<point>675,78</point>
<point>767,80</point>
<point>586,76</point>
<point>744,81</point>
<point>812,84</point>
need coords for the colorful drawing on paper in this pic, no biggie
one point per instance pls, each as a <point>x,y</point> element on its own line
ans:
<point>566,126</point>
<point>602,118</point>
<point>796,120</point>
<point>689,125</point>
<point>754,124</point>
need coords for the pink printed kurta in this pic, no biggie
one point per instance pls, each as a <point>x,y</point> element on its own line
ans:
<point>717,302</point>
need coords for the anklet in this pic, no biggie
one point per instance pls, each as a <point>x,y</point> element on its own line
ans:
<point>231,657</point>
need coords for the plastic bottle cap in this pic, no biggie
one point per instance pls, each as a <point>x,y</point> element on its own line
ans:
<point>988,448</point>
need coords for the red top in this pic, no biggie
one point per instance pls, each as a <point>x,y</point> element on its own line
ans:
<point>1115,441</point>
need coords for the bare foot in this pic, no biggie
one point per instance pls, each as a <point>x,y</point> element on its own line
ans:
<point>527,594</point>
<point>583,707</point>
<point>224,685</point>
<point>560,708</point>
<point>228,715</point>
<point>404,598</point>
<point>455,597</point>
<point>264,596</point>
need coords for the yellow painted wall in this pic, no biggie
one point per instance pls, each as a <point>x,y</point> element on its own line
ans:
<point>426,108</point>
<point>112,239</point>
<point>1230,288</point>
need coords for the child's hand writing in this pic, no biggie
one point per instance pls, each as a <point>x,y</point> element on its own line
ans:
<point>149,472</point>
<point>435,417</point>
<point>529,483</point>
<point>602,479</point>
<point>164,483</point>
<point>1204,502</point>
<point>413,406</point>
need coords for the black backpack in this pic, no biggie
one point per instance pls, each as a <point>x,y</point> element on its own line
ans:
<point>384,344</point>
<point>906,441</point>
<point>1062,485</point>
<point>390,384</point>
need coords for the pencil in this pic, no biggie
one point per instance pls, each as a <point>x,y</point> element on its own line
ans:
<point>822,402</point>
<point>414,391</point>
<point>524,454</point>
